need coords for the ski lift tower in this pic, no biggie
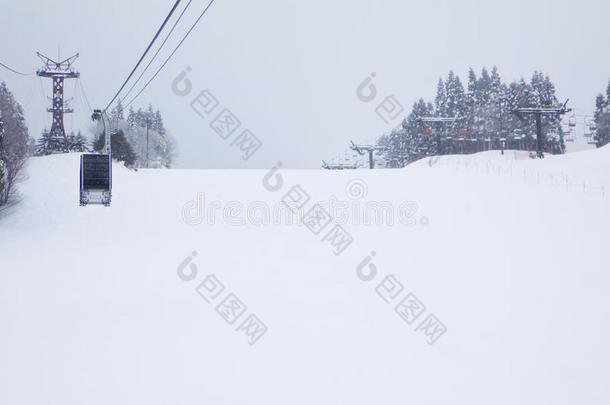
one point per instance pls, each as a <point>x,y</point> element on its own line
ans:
<point>58,71</point>
<point>538,112</point>
<point>371,151</point>
<point>438,121</point>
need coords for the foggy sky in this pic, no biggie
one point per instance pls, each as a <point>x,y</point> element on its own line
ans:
<point>289,69</point>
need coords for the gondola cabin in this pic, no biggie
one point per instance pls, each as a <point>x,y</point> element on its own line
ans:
<point>95,179</point>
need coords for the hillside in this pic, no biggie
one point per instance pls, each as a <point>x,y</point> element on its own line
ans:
<point>510,255</point>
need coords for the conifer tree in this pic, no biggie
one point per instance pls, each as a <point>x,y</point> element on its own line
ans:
<point>121,149</point>
<point>602,118</point>
<point>485,117</point>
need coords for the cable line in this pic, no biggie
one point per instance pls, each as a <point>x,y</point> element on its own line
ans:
<point>158,50</point>
<point>14,71</point>
<point>83,94</point>
<point>172,54</point>
<point>144,54</point>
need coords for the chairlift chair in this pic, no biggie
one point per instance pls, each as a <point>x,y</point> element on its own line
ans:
<point>572,121</point>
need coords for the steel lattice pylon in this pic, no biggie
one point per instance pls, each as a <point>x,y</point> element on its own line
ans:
<point>58,71</point>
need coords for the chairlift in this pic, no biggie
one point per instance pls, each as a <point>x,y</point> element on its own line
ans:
<point>589,123</point>
<point>95,179</point>
<point>572,121</point>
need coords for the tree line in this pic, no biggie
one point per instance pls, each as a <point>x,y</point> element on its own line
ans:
<point>484,120</point>
<point>141,140</point>
<point>74,143</point>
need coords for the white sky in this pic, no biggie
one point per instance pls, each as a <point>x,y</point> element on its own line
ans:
<point>289,70</point>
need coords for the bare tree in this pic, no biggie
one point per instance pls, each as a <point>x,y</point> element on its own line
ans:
<point>14,144</point>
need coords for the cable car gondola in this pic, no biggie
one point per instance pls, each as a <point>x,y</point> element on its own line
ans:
<point>95,179</point>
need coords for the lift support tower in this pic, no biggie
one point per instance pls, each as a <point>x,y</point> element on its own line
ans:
<point>538,112</point>
<point>371,149</point>
<point>58,71</point>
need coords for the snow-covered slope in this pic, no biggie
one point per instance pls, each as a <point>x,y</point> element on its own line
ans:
<point>512,260</point>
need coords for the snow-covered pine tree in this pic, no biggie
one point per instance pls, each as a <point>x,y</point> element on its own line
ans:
<point>480,110</point>
<point>117,114</point>
<point>455,107</point>
<point>469,123</point>
<point>43,144</point>
<point>122,151</point>
<point>440,106</point>
<point>454,91</point>
<point>440,101</point>
<point>157,123</point>
<point>602,118</point>
<point>131,118</point>
<point>77,143</point>
<point>497,107</point>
